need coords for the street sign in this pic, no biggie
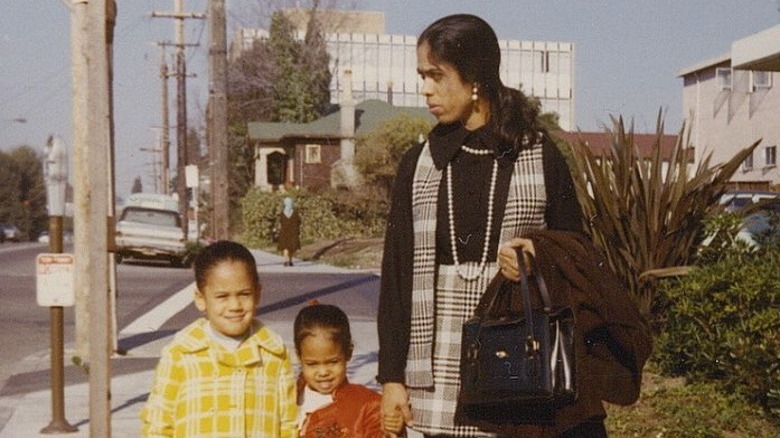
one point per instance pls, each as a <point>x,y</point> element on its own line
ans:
<point>191,178</point>
<point>54,280</point>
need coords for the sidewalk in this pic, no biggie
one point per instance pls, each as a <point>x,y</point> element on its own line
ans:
<point>25,404</point>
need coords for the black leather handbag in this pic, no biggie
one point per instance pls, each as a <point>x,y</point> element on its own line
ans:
<point>516,361</point>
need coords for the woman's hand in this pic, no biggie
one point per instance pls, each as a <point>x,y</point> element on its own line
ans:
<point>396,413</point>
<point>507,257</point>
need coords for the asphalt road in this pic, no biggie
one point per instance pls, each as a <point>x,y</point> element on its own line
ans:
<point>26,327</point>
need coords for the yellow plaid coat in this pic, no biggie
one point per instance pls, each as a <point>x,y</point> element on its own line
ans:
<point>203,390</point>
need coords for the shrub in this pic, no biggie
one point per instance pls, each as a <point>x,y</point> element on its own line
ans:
<point>325,215</point>
<point>723,325</point>
<point>378,153</point>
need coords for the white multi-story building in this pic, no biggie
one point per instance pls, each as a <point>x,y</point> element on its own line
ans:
<point>385,66</point>
<point>731,101</point>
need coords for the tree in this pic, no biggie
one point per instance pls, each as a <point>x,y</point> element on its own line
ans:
<point>137,186</point>
<point>378,153</point>
<point>301,77</point>
<point>250,79</point>
<point>23,191</point>
<point>315,62</point>
<point>279,79</point>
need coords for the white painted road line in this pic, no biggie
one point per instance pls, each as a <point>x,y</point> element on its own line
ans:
<point>155,318</point>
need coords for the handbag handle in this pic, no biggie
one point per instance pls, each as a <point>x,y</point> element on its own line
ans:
<point>540,283</point>
<point>488,305</point>
<point>531,344</point>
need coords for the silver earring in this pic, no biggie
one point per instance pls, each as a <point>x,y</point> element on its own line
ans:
<point>474,95</point>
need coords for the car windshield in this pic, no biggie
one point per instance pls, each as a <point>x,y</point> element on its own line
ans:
<point>151,217</point>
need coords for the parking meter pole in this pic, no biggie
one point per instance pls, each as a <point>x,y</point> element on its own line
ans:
<point>58,423</point>
<point>55,170</point>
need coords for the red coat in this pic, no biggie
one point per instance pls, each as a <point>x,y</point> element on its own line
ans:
<point>354,413</point>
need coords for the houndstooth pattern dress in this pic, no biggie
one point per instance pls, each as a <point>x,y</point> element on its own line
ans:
<point>454,299</point>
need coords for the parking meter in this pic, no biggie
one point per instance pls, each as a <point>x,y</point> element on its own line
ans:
<point>55,172</point>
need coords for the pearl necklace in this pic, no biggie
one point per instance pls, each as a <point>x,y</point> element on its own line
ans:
<point>451,214</point>
<point>476,151</point>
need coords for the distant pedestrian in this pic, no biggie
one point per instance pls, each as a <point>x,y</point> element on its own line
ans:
<point>289,231</point>
<point>328,404</point>
<point>226,374</point>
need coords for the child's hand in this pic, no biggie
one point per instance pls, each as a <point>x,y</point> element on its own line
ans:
<point>396,412</point>
<point>393,423</point>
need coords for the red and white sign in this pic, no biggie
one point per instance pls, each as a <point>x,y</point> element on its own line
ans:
<point>54,280</point>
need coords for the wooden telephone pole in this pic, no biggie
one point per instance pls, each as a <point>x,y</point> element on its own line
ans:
<point>216,123</point>
<point>181,105</point>
<point>92,29</point>
<point>165,134</point>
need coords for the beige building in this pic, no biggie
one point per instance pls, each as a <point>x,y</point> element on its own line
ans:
<point>384,66</point>
<point>731,101</point>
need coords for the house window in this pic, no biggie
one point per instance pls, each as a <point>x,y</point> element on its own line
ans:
<point>748,163</point>
<point>313,154</point>
<point>770,156</point>
<point>275,168</point>
<point>723,76</point>
<point>762,80</point>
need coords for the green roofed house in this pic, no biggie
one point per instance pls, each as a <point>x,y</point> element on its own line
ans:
<point>317,155</point>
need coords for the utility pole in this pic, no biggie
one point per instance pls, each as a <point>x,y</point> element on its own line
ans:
<point>181,106</point>
<point>92,26</point>
<point>81,206</point>
<point>217,120</point>
<point>165,137</point>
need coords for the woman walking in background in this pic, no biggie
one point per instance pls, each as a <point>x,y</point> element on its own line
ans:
<point>289,231</point>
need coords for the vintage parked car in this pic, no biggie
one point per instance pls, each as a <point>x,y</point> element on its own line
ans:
<point>151,234</point>
<point>10,232</point>
<point>736,200</point>
<point>67,237</point>
<point>761,222</point>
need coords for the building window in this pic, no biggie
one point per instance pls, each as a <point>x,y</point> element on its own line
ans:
<point>313,154</point>
<point>762,80</point>
<point>770,156</point>
<point>724,78</point>
<point>748,163</point>
<point>275,169</point>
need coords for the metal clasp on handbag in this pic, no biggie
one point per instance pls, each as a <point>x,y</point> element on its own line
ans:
<point>531,347</point>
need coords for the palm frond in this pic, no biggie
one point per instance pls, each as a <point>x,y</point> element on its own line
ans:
<point>646,211</point>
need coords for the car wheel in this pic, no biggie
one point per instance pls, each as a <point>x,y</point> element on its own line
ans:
<point>176,262</point>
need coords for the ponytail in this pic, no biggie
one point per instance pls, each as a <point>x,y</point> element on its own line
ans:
<point>515,118</point>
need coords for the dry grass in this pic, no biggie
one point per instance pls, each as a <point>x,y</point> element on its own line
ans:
<point>355,253</point>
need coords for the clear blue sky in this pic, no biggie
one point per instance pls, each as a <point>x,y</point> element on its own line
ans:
<point>627,55</point>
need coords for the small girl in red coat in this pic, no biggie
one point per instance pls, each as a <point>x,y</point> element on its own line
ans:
<point>328,405</point>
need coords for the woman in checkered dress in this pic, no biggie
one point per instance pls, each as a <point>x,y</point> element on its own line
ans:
<point>487,174</point>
